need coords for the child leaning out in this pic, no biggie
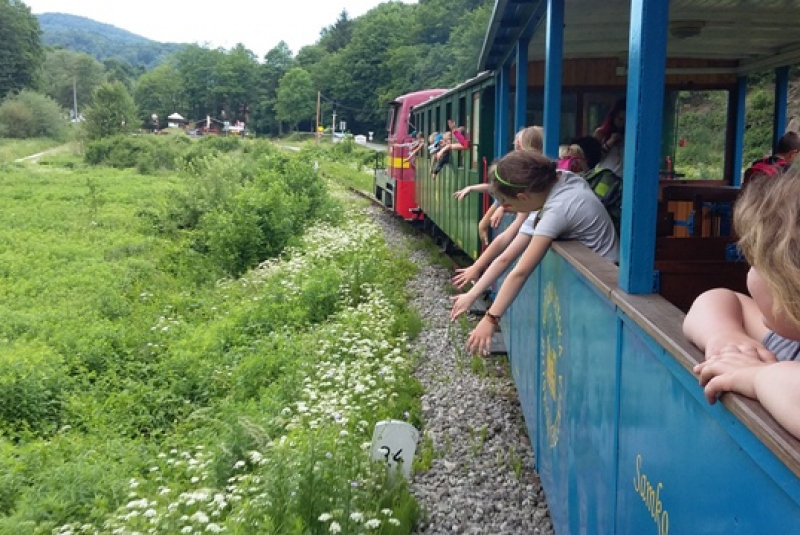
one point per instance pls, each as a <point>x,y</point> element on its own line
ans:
<point>752,344</point>
<point>526,181</point>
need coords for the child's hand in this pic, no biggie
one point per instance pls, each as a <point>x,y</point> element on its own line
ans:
<point>461,304</point>
<point>730,372</point>
<point>460,194</point>
<point>497,216</point>
<point>465,276</point>
<point>740,343</point>
<point>480,339</point>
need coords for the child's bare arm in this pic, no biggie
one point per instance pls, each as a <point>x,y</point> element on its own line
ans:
<point>777,387</point>
<point>721,320</point>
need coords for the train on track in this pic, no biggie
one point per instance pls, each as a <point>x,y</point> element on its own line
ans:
<point>624,439</point>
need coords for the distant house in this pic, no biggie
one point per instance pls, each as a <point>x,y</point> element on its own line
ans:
<point>175,121</point>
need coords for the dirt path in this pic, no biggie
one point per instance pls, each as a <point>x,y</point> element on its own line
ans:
<point>34,158</point>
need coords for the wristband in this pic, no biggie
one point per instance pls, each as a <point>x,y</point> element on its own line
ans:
<point>493,318</point>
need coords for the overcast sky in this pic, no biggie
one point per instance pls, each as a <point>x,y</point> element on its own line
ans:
<point>258,24</point>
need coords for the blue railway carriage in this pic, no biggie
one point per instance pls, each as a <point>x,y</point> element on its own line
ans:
<point>624,439</point>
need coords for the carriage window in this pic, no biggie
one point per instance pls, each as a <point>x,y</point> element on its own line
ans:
<point>476,127</point>
<point>394,113</point>
<point>569,113</point>
<point>462,121</point>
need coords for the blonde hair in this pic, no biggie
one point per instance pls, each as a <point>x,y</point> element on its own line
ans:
<point>767,220</point>
<point>531,138</point>
<point>570,151</point>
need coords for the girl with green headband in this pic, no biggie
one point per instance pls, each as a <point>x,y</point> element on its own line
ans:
<point>568,209</point>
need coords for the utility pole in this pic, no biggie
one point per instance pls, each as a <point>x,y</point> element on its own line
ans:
<point>333,125</point>
<point>317,132</point>
<point>75,97</point>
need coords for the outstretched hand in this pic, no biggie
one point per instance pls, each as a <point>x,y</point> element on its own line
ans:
<point>480,339</point>
<point>465,275</point>
<point>460,194</point>
<point>497,216</point>
<point>461,304</point>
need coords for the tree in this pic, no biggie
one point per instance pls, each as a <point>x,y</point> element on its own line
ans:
<point>20,47</point>
<point>296,97</point>
<point>338,35</point>
<point>277,63</point>
<point>159,91</point>
<point>119,70</point>
<point>197,68</point>
<point>63,68</point>
<point>113,112</point>
<point>236,78</point>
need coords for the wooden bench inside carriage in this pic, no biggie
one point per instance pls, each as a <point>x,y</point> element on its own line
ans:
<point>694,263</point>
<point>688,267</point>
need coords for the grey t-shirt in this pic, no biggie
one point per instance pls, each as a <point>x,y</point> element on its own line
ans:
<point>782,348</point>
<point>527,226</point>
<point>573,212</point>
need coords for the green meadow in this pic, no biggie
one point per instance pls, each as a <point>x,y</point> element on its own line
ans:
<point>202,348</point>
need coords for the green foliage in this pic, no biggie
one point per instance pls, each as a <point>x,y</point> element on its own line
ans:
<point>21,51</point>
<point>12,149</point>
<point>143,392</point>
<point>31,115</point>
<point>145,153</point>
<point>103,41</point>
<point>158,92</point>
<point>67,75</point>
<point>296,99</point>
<point>33,380</point>
<point>113,112</point>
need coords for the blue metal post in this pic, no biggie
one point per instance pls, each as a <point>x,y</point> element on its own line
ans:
<point>781,102</point>
<point>644,110</point>
<point>554,42</point>
<point>502,111</point>
<point>738,143</point>
<point>521,94</point>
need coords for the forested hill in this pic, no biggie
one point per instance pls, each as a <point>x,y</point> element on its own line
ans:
<point>103,41</point>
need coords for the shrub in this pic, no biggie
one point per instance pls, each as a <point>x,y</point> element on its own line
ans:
<point>32,382</point>
<point>145,153</point>
<point>30,114</point>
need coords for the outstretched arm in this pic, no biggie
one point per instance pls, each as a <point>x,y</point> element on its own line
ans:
<point>722,320</point>
<point>461,303</point>
<point>480,340</point>
<point>498,245</point>
<point>475,188</point>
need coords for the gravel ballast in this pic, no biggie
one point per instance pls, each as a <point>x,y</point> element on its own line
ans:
<point>479,477</point>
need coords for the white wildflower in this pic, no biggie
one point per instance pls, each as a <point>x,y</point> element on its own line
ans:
<point>372,523</point>
<point>335,527</point>
<point>324,517</point>
<point>357,517</point>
